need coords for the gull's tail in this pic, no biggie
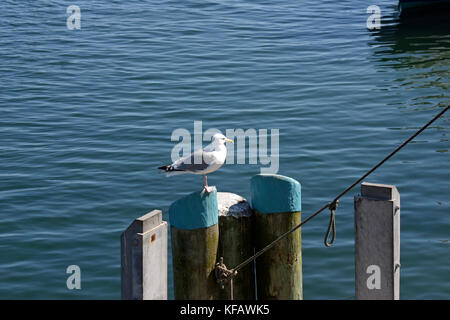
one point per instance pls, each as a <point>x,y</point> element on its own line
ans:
<point>170,170</point>
<point>165,169</point>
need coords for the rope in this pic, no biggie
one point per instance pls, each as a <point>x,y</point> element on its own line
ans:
<point>331,225</point>
<point>226,274</point>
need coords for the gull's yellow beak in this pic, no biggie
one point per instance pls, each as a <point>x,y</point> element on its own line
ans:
<point>229,140</point>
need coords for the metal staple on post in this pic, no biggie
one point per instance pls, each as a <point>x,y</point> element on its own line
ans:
<point>223,275</point>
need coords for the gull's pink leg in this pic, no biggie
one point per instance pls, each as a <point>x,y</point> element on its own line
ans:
<point>205,185</point>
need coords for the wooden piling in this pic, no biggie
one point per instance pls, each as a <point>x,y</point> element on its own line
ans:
<point>236,243</point>
<point>276,201</point>
<point>144,258</point>
<point>195,241</point>
<point>377,242</point>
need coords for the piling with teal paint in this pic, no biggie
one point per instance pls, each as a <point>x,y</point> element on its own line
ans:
<point>195,241</point>
<point>276,201</point>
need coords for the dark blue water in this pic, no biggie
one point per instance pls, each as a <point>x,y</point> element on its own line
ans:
<point>87,115</point>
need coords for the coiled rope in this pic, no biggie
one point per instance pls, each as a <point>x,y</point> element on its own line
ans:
<point>224,275</point>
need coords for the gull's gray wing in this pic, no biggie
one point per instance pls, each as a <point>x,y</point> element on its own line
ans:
<point>188,163</point>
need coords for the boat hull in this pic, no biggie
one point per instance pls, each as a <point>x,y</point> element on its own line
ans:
<point>423,7</point>
<point>408,4</point>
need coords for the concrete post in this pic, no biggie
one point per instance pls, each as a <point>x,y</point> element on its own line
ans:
<point>236,243</point>
<point>144,258</point>
<point>377,242</point>
<point>276,201</point>
<point>195,241</point>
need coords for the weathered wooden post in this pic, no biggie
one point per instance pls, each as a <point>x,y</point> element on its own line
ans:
<point>377,242</point>
<point>236,243</point>
<point>276,201</point>
<point>195,242</point>
<point>144,258</point>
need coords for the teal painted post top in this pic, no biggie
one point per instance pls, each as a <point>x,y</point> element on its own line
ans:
<point>194,211</point>
<point>273,193</point>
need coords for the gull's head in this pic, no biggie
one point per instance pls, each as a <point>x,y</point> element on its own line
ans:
<point>220,139</point>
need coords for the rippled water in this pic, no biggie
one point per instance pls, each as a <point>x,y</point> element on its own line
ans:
<point>87,116</point>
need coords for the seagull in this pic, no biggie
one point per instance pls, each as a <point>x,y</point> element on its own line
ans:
<point>212,157</point>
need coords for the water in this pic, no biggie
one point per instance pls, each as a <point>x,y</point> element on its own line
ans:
<point>87,116</point>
